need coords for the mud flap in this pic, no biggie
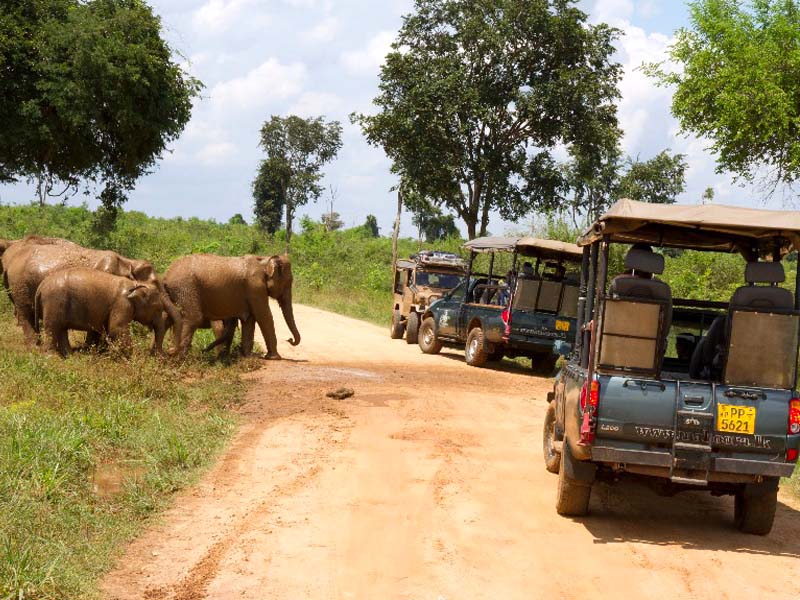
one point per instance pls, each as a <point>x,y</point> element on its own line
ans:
<point>579,470</point>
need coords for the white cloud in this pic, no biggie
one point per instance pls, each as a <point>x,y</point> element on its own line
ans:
<point>369,59</point>
<point>324,31</point>
<point>215,153</point>
<point>218,16</point>
<point>268,82</point>
<point>612,11</point>
<point>314,104</point>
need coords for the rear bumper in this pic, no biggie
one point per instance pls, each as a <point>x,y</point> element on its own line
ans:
<point>536,344</point>
<point>663,459</point>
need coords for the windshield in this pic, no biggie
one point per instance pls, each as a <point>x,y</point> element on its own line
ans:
<point>437,280</point>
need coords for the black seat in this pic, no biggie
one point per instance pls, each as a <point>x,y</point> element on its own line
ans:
<point>635,287</point>
<point>708,357</point>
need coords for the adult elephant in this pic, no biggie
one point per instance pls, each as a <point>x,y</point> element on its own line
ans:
<point>98,303</point>
<point>207,288</point>
<point>26,265</point>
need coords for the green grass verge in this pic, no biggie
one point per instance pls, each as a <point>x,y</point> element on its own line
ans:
<point>93,446</point>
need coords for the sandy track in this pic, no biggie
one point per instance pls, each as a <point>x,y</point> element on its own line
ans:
<point>427,484</point>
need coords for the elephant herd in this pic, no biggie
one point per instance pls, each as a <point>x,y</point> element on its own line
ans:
<point>56,286</point>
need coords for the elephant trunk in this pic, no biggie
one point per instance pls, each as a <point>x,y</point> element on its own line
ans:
<point>173,311</point>
<point>285,303</point>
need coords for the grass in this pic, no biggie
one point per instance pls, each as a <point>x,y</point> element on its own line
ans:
<point>90,448</point>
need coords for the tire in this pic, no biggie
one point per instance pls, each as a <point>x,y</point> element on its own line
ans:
<point>427,340</point>
<point>412,328</point>
<point>754,507</point>
<point>573,494</point>
<point>543,364</point>
<point>397,329</point>
<point>475,351</point>
<point>552,458</point>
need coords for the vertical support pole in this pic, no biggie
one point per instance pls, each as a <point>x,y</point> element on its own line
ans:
<point>589,312</point>
<point>491,268</point>
<point>582,304</point>
<point>600,292</point>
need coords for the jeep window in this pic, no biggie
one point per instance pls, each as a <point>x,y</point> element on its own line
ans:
<point>458,292</point>
<point>444,281</point>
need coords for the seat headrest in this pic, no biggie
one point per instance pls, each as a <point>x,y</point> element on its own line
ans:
<point>764,272</point>
<point>644,260</point>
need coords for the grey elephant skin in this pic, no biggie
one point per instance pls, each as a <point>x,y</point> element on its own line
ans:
<point>209,288</point>
<point>89,300</point>
<point>27,263</point>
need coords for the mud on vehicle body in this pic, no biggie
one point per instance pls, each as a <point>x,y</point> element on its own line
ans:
<point>530,311</point>
<point>418,282</point>
<point>688,394</point>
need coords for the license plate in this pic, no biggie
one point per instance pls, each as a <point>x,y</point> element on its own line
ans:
<point>562,325</point>
<point>736,419</point>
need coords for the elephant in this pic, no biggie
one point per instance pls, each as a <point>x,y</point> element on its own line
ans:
<point>96,302</point>
<point>208,288</point>
<point>26,265</point>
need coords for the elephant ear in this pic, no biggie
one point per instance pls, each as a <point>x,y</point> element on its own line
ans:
<point>137,292</point>
<point>272,265</point>
<point>141,270</point>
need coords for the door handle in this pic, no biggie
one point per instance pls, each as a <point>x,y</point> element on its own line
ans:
<point>695,400</point>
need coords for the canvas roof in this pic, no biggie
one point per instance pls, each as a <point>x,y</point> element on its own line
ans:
<point>700,227</point>
<point>527,246</point>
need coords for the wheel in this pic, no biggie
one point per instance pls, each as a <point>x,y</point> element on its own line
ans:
<point>543,363</point>
<point>427,340</point>
<point>398,327</point>
<point>573,494</point>
<point>754,507</point>
<point>552,458</point>
<point>475,351</point>
<point>412,328</point>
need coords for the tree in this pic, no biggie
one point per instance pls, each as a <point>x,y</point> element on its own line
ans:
<point>89,92</point>
<point>237,219</point>
<point>371,225</point>
<point>736,84</point>
<point>659,180</point>
<point>432,224</point>
<point>268,199</point>
<point>332,221</point>
<point>474,94</point>
<point>708,196</point>
<point>297,149</point>
<point>585,192</point>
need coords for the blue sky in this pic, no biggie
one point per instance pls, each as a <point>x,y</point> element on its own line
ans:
<point>321,57</point>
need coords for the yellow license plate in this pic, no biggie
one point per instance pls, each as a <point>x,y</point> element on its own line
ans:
<point>562,325</point>
<point>736,419</point>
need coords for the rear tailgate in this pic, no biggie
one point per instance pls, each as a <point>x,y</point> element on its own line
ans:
<point>536,328</point>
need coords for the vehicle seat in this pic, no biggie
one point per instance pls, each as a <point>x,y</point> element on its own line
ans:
<point>706,360</point>
<point>763,296</point>
<point>633,287</point>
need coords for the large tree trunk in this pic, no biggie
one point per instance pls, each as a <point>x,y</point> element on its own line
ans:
<point>288,225</point>
<point>288,315</point>
<point>396,229</point>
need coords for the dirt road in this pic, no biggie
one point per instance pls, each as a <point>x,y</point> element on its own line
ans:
<point>427,484</point>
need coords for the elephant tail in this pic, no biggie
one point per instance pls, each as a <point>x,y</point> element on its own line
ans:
<point>37,309</point>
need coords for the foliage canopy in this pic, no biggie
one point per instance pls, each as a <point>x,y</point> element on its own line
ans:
<point>89,90</point>
<point>475,94</point>
<point>737,84</point>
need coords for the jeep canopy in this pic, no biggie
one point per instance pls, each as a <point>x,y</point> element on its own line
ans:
<point>699,227</point>
<point>526,246</point>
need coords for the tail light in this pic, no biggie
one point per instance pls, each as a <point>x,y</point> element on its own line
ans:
<point>794,416</point>
<point>590,398</point>
<point>791,455</point>
<point>506,316</point>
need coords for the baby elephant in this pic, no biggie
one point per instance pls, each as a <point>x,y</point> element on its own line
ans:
<point>96,302</point>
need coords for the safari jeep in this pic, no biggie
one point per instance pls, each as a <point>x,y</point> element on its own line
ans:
<point>690,394</point>
<point>530,310</point>
<point>418,282</point>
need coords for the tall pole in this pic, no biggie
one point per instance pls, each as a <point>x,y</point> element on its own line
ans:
<point>396,229</point>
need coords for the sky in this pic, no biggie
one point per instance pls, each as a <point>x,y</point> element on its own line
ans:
<point>259,58</point>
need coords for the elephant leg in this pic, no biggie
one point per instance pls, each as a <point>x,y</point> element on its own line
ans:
<point>61,341</point>
<point>266,324</point>
<point>27,320</point>
<point>223,332</point>
<point>248,335</point>
<point>93,339</point>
